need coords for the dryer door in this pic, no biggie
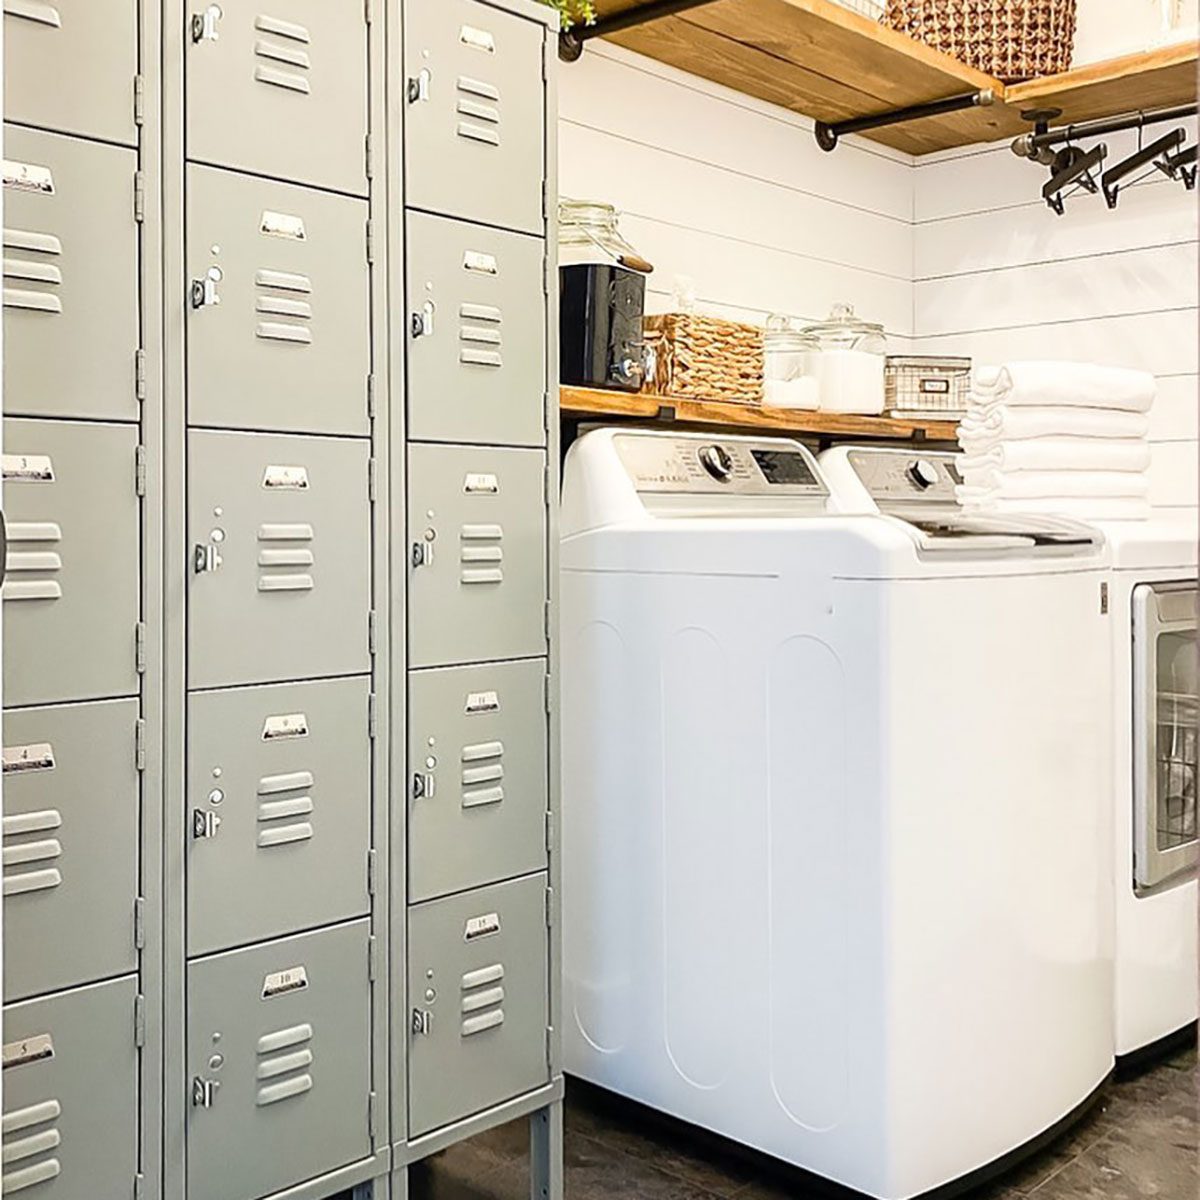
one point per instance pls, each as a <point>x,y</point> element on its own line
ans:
<point>1165,751</point>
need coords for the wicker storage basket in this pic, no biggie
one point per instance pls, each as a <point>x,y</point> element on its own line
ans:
<point>1010,39</point>
<point>706,358</point>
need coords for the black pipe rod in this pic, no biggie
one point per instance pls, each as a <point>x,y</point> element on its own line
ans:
<point>1028,144</point>
<point>828,133</point>
<point>634,17</point>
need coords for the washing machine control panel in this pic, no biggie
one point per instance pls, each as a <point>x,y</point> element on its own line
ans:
<point>907,475</point>
<point>696,464</point>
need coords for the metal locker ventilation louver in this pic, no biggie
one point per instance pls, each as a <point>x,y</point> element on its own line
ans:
<point>484,118</point>
<point>482,999</point>
<point>283,1061</point>
<point>482,341</point>
<point>30,1133</point>
<point>278,549</point>
<point>286,51</point>
<point>24,869</point>
<point>268,303</point>
<point>482,774</point>
<point>31,271</point>
<point>30,568</point>
<point>278,807</point>
<point>482,554</point>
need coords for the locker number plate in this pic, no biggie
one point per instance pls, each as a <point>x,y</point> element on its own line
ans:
<point>283,983</point>
<point>277,478</point>
<point>29,1050</point>
<point>26,177</point>
<point>290,725</point>
<point>36,757</point>
<point>27,468</point>
<point>475,484</point>
<point>284,225</point>
<point>482,702</point>
<point>481,927</point>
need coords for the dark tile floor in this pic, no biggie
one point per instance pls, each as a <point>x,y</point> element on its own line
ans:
<point>1140,1143</point>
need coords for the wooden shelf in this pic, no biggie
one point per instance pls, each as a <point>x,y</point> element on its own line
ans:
<point>818,58</point>
<point>589,402</point>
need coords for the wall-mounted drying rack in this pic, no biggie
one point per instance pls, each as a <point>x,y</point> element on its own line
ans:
<point>1074,169</point>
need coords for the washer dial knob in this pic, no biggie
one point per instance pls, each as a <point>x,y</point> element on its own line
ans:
<point>923,473</point>
<point>717,461</point>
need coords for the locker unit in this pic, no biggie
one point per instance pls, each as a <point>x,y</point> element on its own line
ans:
<point>477,534</point>
<point>70,845</point>
<point>279,88</point>
<point>71,1094</point>
<point>279,796</point>
<point>279,1062</point>
<point>280,558</point>
<point>477,359</point>
<point>278,307</point>
<point>478,983</point>
<point>71,595</point>
<point>478,809</point>
<point>476,110</point>
<point>71,65</point>
<point>70,277</point>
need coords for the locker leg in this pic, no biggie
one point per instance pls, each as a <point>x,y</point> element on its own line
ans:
<point>546,1153</point>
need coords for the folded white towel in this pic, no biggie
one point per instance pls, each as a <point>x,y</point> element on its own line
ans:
<point>1013,424</point>
<point>1112,508</point>
<point>1056,383</point>
<point>1057,454</point>
<point>988,482</point>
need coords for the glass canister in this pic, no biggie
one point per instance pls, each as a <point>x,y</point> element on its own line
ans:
<point>849,362</point>
<point>602,301</point>
<point>787,366</point>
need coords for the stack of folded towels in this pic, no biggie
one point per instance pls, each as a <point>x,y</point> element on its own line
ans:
<point>1062,438</point>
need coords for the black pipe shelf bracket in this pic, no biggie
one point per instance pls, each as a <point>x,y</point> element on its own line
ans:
<point>572,41</point>
<point>830,133</point>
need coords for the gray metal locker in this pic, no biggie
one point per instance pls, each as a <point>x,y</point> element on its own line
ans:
<point>477,745</point>
<point>475,122</point>
<point>70,845</point>
<point>70,277</point>
<point>279,87</point>
<point>70,65</point>
<point>478,985</point>
<point>279,323</point>
<point>280,559</point>
<point>477,546</point>
<point>71,597</point>
<point>279,798</point>
<point>70,1128</point>
<point>477,358</point>
<point>279,1063</point>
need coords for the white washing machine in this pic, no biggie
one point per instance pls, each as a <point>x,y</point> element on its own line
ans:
<point>1153,599</point>
<point>834,815</point>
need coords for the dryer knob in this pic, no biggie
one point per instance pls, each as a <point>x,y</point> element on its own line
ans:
<point>717,461</point>
<point>923,473</point>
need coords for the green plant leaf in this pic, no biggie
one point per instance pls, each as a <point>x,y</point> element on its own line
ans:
<point>574,12</point>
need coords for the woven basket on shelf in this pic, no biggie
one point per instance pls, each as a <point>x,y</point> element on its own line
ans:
<point>1010,39</point>
<point>706,358</point>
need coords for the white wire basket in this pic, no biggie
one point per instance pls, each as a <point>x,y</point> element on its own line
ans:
<point>865,8</point>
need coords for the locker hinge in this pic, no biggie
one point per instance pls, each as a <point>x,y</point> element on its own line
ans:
<point>139,647</point>
<point>372,478</point>
<point>372,870</point>
<point>139,100</point>
<point>549,908</point>
<point>370,241</point>
<point>549,833</point>
<point>372,954</point>
<point>546,693</point>
<point>139,470</point>
<point>139,923</point>
<point>547,267</point>
<point>545,199</point>
<point>372,1104</point>
<point>139,374</point>
<point>371,397</point>
<point>372,627</point>
<point>139,744</point>
<point>1104,599</point>
<point>139,196</point>
<point>548,622</point>
<point>367,152</point>
<point>139,1187</point>
<point>372,718</point>
<point>139,1021</point>
<point>549,1045</point>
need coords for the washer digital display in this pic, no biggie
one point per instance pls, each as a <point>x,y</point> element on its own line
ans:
<point>784,467</point>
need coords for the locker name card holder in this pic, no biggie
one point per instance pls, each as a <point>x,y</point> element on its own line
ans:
<point>477,39</point>
<point>284,225</point>
<point>482,702</point>
<point>481,927</point>
<point>276,478</point>
<point>29,1050</point>
<point>289,725</point>
<point>479,484</point>
<point>28,177</point>
<point>36,757</point>
<point>27,468</point>
<point>284,983</point>
<point>480,263</point>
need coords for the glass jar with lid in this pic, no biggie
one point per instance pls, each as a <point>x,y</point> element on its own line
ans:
<point>848,362</point>
<point>788,381</point>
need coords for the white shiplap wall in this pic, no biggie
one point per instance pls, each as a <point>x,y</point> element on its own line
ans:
<point>954,253</point>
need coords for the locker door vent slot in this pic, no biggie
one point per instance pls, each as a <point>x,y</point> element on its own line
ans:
<point>268,303</point>
<point>277,817</point>
<point>31,851</point>
<point>32,270</point>
<point>482,773</point>
<point>25,1138</point>
<point>23,560</point>
<point>482,554</point>
<point>479,334</point>
<point>276,563</point>
<point>284,1058</point>
<point>34,10</point>
<point>482,1000</point>
<point>273,52</point>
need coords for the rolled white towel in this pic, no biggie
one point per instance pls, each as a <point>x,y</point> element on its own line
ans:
<point>1111,508</point>
<point>1016,485</point>
<point>1058,454</point>
<point>1061,383</point>
<point>999,421</point>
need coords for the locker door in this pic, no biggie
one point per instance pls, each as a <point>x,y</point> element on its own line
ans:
<point>477,544</point>
<point>478,984</point>
<point>71,1095</point>
<point>279,795</point>
<point>477,745</point>
<point>70,65</point>
<point>70,845</point>
<point>71,602</point>
<point>280,563</point>
<point>475,126</point>
<point>279,1054</point>
<point>279,87</point>
<point>70,278</point>
<point>477,360</point>
<point>278,314</point>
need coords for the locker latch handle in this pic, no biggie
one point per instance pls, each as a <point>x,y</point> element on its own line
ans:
<point>205,823</point>
<point>206,557</point>
<point>424,786</point>
<point>422,322</point>
<point>422,1022</point>
<point>422,552</point>
<point>418,88</point>
<point>204,1092</point>
<point>204,25</point>
<point>204,291</point>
